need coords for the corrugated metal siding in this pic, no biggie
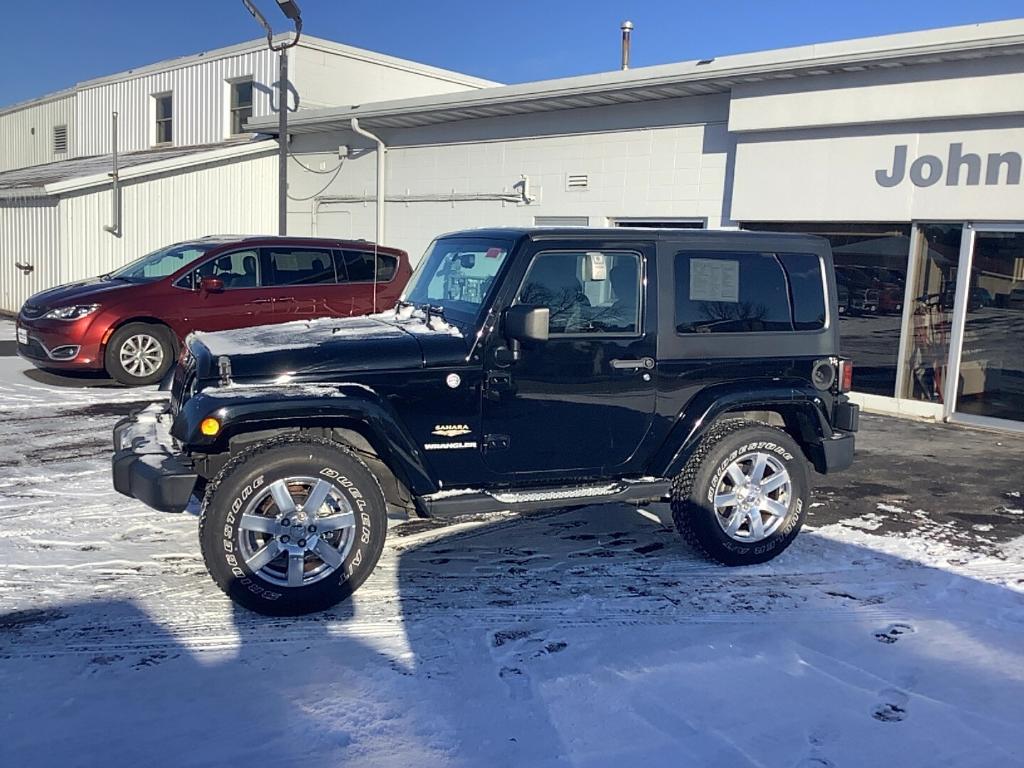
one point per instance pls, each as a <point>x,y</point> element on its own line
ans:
<point>200,103</point>
<point>238,197</point>
<point>29,234</point>
<point>26,136</point>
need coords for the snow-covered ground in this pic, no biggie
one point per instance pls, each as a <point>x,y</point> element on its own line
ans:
<point>584,638</point>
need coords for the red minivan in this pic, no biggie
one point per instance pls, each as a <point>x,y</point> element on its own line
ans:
<point>132,321</point>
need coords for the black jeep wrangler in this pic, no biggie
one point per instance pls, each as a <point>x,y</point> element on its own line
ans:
<point>522,369</point>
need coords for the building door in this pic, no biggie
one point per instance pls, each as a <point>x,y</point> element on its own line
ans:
<point>988,329</point>
<point>583,401</point>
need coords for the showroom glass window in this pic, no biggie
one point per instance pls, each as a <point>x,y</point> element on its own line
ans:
<point>931,322</point>
<point>991,381</point>
<point>871,272</point>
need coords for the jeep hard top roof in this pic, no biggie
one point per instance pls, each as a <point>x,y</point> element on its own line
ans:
<point>646,233</point>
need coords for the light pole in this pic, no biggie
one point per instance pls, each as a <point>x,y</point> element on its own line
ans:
<point>291,10</point>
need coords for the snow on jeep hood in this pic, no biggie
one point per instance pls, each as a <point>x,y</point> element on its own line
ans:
<point>386,340</point>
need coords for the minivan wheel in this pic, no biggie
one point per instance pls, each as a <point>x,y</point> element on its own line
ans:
<point>138,354</point>
<point>292,525</point>
<point>741,498</point>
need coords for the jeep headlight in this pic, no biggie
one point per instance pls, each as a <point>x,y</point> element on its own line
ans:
<point>74,312</point>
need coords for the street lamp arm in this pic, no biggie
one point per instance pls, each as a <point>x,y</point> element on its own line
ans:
<point>262,20</point>
<point>269,30</point>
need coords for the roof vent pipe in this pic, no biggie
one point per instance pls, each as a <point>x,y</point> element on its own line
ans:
<point>627,29</point>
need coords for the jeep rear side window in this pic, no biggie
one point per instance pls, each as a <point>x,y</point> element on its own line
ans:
<point>748,292</point>
<point>587,292</point>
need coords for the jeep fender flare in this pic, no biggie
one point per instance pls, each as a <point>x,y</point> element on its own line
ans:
<point>240,410</point>
<point>801,406</point>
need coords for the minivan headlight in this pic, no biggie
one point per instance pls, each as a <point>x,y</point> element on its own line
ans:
<point>73,312</point>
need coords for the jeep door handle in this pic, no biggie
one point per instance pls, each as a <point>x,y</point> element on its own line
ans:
<point>644,363</point>
<point>263,301</point>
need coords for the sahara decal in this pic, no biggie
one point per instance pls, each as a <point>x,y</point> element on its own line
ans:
<point>451,430</point>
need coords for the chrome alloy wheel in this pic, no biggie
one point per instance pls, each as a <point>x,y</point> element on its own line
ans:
<point>141,355</point>
<point>753,496</point>
<point>296,531</point>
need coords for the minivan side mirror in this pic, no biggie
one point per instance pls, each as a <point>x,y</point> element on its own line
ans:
<point>211,285</point>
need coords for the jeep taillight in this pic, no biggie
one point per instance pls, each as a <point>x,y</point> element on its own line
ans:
<point>845,375</point>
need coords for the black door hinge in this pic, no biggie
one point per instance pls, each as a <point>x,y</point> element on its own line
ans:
<point>496,384</point>
<point>496,442</point>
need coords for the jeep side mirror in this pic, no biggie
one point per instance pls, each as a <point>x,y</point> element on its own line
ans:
<point>211,285</point>
<point>526,323</point>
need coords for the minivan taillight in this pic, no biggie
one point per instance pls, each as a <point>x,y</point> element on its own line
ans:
<point>845,375</point>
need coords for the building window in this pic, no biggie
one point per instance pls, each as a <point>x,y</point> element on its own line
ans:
<point>871,272</point>
<point>60,139</point>
<point>241,105</point>
<point>561,221</point>
<point>937,259</point>
<point>163,112</point>
<point>661,223</point>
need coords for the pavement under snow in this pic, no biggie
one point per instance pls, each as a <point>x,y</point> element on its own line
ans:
<point>888,635</point>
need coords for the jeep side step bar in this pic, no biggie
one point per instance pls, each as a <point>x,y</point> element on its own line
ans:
<point>452,503</point>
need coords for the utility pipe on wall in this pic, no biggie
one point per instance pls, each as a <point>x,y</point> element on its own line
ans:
<point>115,188</point>
<point>382,153</point>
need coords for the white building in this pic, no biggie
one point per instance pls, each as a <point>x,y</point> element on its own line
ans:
<point>205,98</point>
<point>905,150</point>
<point>188,165</point>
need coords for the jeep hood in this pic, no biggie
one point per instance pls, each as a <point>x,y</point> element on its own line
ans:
<point>326,348</point>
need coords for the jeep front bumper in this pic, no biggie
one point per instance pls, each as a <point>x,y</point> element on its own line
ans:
<point>145,465</point>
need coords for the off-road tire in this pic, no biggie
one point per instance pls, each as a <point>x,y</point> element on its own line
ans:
<point>693,511</point>
<point>112,354</point>
<point>263,463</point>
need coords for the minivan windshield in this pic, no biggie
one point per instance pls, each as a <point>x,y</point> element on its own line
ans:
<point>456,275</point>
<point>161,263</point>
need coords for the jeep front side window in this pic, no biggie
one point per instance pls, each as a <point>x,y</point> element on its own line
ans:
<point>457,275</point>
<point>587,292</point>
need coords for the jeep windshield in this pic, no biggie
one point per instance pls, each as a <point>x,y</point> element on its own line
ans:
<point>160,263</point>
<point>456,275</point>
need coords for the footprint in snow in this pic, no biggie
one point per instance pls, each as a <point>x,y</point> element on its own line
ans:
<point>517,682</point>
<point>892,708</point>
<point>893,632</point>
<point>815,762</point>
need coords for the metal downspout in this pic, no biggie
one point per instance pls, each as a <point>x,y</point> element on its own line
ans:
<point>382,153</point>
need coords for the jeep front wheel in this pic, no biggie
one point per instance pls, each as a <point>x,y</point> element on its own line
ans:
<point>742,496</point>
<point>292,525</point>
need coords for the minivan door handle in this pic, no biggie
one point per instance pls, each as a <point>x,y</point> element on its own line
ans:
<point>644,363</point>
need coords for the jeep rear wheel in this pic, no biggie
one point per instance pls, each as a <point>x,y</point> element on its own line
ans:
<point>292,525</point>
<point>741,497</point>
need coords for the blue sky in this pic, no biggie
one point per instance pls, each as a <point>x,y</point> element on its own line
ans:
<point>56,43</point>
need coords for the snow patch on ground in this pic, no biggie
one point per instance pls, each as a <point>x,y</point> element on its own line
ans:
<point>592,637</point>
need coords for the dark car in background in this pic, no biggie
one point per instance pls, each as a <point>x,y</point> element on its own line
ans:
<point>131,322</point>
